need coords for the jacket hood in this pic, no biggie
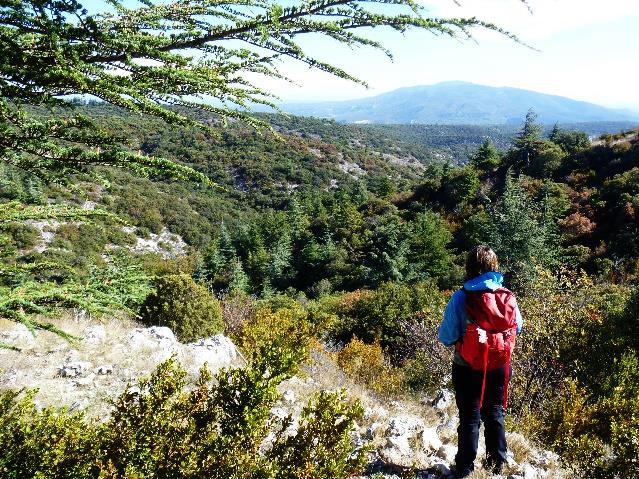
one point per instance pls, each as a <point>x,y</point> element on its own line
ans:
<point>491,280</point>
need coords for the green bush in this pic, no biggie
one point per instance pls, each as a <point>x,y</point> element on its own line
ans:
<point>286,326</point>
<point>423,373</point>
<point>366,363</point>
<point>322,447</point>
<point>186,307</point>
<point>598,438</point>
<point>43,444</point>
<point>23,235</point>
<point>385,313</point>
<point>575,381</point>
<point>217,430</point>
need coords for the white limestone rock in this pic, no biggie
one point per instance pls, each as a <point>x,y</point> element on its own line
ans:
<point>431,440</point>
<point>378,412</point>
<point>529,472</point>
<point>86,382</point>
<point>405,425</point>
<point>447,452</point>
<point>11,376</point>
<point>443,399</point>
<point>404,433</point>
<point>104,369</point>
<point>295,381</point>
<point>162,333</point>
<point>289,397</point>
<point>292,428</point>
<point>167,244</point>
<point>74,369</point>
<point>94,334</point>
<point>140,339</point>
<point>373,430</point>
<point>217,351</point>
<point>544,459</point>
<point>278,413</point>
<point>398,451</point>
<point>17,336</point>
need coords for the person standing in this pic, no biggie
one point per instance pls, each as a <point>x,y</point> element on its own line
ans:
<point>481,320</point>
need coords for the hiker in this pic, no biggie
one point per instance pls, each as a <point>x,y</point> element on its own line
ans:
<point>481,320</point>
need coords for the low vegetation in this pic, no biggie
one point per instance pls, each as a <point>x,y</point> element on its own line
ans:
<point>366,267</point>
<point>218,429</point>
<point>301,233</point>
<point>186,307</point>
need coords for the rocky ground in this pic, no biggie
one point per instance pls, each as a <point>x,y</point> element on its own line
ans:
<point>410,439</point>
<point>87,373</point>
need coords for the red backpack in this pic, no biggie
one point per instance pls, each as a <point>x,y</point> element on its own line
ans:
<point>489,339</point>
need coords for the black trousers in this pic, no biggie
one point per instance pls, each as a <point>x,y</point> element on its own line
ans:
<point>467,383</point>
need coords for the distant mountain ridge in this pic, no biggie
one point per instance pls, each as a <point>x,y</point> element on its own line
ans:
<point>460,103</point>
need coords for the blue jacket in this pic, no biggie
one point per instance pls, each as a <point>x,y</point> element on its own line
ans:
<point>455,316</point>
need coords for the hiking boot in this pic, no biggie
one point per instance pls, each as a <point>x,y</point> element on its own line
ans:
<point>458,474</point>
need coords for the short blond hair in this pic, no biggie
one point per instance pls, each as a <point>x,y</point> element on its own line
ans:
<point>481,259</point>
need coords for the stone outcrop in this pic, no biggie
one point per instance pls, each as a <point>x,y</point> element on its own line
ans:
<point>85,374</point>
<point>408,442</point>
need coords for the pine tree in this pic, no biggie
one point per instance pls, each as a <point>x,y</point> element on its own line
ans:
<point>225,245</point>
<point>429,255</point>
<point>531,130</point>
<point>523,234</point>
<point>526,145</point>
<point>570,142</point>
<point>238,280</point>
<point>533,155</point>
<point>487,157</point>
<point>555,133</point>
<point>279,265</point>
<point>387,251</point>
<point>299,220</point>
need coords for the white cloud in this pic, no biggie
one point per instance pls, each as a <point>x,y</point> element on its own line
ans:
<point>548,17</point>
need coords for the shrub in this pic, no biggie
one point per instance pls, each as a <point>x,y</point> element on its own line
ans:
<point>43,443</point>
<point>215,429</point>
<point>567,426</point>
<point>22,235</point>
<point>620,410</point>
<point>554,312</point>
<point>428,362</point>
<point>237,308</point>
<point>575,374</point>
<point>184,306</point>
<point>321,448</point>
<point>367,364</point>
<point>383,314</point>
<point>286,326</point>
<point>597,438</point>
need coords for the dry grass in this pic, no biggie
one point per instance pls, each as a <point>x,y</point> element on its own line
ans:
<point>521,448</point>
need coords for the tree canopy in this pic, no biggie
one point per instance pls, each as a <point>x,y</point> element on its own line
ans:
<point>160,58</point>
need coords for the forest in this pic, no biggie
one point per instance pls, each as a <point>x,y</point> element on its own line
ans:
<point>291,234</point>
<point>371,253</point>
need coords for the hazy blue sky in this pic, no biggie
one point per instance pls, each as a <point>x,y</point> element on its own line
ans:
<point>588,50</point>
